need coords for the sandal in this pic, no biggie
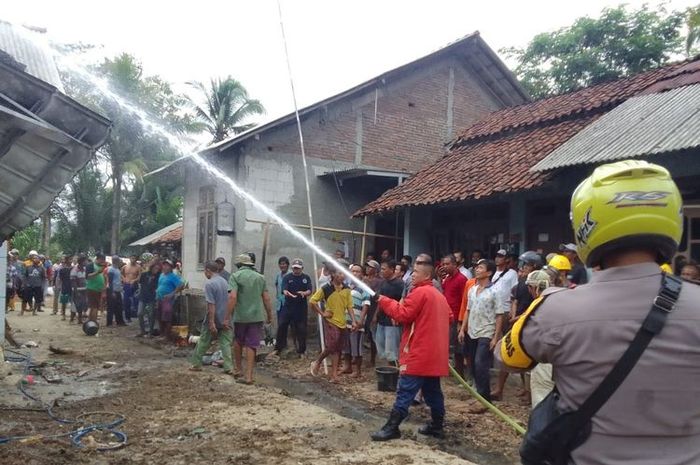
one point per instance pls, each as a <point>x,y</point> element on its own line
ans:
<point>194,368</point>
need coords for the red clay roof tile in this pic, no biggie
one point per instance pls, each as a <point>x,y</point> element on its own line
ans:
<point>495,154</point>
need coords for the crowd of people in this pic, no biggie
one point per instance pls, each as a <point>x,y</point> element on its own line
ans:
<point>139,288</point>
<point>484,296</point>
<point>573,319</point>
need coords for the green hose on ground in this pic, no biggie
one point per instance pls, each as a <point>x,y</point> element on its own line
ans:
<point>511,422</point>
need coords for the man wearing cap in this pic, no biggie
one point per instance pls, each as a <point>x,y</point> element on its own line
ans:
<point>114,293</point>
<point>250,305</point>
<point>169,284</point>
<point>296,288</point>
<point>221,261</point>
<point>541,382</point>
<point>578,274</point>
<point>626,220</point>
<point>504,279</point>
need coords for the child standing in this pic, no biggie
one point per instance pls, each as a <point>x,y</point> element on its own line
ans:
<point>338,301</point>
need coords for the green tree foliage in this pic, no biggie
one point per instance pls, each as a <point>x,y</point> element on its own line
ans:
<point>224,107</point>
<point>621,42</point>
<point>693,24</point>
<point>131,148</point>
<point>83,212</point>
<point>152,205</point>
<point>27,239</point>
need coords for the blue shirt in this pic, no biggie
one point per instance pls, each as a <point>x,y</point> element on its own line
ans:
<point>167,283</point>
<point>279,288</point>
<point>360,298</point>
<point>114,277</point>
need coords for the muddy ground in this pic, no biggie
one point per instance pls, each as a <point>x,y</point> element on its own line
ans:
<point>175,416</point>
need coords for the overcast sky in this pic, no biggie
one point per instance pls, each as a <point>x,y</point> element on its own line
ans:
<point>333,45</point>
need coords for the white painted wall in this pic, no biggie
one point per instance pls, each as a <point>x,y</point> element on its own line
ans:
<point>276,179</point>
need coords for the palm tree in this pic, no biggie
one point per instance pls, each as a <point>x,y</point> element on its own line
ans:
<point>131,147</point>
<point>693,24</point>
<point>225,107</point>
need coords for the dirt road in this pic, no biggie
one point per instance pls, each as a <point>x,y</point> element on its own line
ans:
<point>175,416</point>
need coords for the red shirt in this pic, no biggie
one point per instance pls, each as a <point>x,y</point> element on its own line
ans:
<point>425,339</point>
<point>453,289</point>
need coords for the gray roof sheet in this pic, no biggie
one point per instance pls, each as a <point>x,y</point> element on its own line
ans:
<point>23,44</point>
<point>643,125</point>
<point>45,138</point>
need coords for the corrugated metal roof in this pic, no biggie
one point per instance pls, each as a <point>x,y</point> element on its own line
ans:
<point>172,233</point>
<point>497,154</point>
<point>18,42</point>
<point>45,138</point>
<point>643,125</point>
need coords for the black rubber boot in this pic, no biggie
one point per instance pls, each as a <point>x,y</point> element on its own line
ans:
<point>391,429</point>
<point>435,428</point>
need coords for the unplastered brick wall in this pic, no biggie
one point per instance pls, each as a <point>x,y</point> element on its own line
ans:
<point>407,131</point>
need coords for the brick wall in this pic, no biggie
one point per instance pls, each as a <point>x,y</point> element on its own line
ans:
<point>414,114</point>
<point>410,126</point>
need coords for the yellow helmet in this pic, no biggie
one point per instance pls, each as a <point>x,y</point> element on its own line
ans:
<point>630,203</point>
<point>560,262</point>
<point>666,268</point>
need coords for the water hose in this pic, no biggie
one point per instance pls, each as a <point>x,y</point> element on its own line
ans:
<point>76,435</point>
<point>492,408</point>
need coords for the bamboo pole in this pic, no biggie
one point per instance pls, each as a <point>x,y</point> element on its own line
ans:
<point>266,237</point>
<point>510,421</point>
<point>335,230</point>
<point>364,241</point>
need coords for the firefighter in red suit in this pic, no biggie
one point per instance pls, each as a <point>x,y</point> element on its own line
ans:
<point>424,352</point>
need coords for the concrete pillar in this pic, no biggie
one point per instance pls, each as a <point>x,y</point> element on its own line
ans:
<point>416,231</point>
<point>358,137</point>
<point>450,103</point>
<point>517,225</point>
<point>3,307</point>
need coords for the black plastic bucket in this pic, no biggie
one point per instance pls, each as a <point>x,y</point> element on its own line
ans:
<point>91,327</point>
<point>387,378</point>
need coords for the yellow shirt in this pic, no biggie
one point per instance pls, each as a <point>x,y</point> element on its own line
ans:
<point>337,302</point>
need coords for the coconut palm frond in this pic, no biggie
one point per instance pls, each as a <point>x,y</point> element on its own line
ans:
<point>224,106</point>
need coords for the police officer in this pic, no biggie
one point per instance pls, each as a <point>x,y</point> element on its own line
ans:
<point>626,219</point>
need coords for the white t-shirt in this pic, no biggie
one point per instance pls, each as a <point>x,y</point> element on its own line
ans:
<point>466,272</point>
<point>504,284</point>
